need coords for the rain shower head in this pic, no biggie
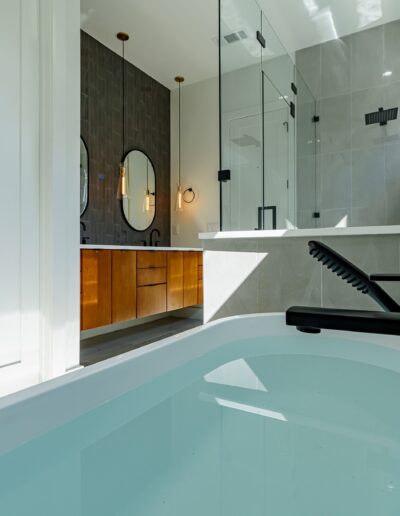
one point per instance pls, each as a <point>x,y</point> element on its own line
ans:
<point>382,116</point>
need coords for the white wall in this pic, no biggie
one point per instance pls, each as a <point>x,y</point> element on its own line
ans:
<point>200,161</point>
<point>39,198</point>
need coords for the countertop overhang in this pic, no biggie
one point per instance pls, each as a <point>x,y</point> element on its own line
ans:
<point>136,248</point>
<point>303,233</point>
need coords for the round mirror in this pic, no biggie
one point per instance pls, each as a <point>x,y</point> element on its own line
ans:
<point>140,204</point>
<point>84,177</point>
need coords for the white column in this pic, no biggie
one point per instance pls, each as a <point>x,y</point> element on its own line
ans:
<point>59,185</point>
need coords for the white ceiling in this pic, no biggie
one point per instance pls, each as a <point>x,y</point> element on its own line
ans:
<point>171,37</point>
<point>303,23</point>
<point>168,37</point>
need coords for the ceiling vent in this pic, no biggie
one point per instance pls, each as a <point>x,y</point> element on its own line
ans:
<point>235,36</point>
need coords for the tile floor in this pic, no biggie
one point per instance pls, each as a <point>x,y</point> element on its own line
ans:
<point>96,349</point>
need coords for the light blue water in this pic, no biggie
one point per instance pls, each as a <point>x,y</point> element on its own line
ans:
<point>243,435</point>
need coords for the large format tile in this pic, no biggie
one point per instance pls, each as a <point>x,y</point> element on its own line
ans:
<point>368,187</point>
<point>335,58</point>
<point>363,102</point>
<point>308,62</point>
<point>391,59</point>
<point>367,59</point>
<point>335,124</point>
<point>230,279</point>
<point>305,219</point>
<point>335,218</point>
<point>287,276</point>
<point>392,182</point>
<point>306,129</point>
<point>392,100</point>
<point>306,183</point>
<point>336,181</point>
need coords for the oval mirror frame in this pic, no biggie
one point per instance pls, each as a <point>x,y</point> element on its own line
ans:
<point>138,209</point>
<point>84,176</point>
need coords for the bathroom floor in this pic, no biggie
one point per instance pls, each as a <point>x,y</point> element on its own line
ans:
<point>97,349</point>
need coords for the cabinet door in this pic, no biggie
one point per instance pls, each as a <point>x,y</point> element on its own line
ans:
<point>123,286</point>
<point>151,300</point>
<point>200,291</point>
<point>174,280</point>
<point>190,278</point>
<point>96,289</point>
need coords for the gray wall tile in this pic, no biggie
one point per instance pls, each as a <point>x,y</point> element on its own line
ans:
<point>336,181</point>
<point>391,60</point>
<point>308,62</point>
<point>336,67</point>
<point>335,124</point>
<point>367,59</point>
<point>392,183</point>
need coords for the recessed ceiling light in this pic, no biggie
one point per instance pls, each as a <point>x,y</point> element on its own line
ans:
<point>388,73</point>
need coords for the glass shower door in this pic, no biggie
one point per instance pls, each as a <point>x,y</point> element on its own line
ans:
<point>278,130</point>
<point>241,130</point>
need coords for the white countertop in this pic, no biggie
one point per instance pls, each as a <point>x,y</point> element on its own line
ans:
<point>137,248</point>
<point>305,233</point>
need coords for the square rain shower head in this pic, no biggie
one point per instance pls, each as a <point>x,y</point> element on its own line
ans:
<point>382,116</point>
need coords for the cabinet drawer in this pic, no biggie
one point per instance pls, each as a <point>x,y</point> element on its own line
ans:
<point>150,259</point>
<point>151,276</point>
<point>151,300</point>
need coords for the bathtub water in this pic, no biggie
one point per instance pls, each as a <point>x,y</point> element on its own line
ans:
<point>243,418</point>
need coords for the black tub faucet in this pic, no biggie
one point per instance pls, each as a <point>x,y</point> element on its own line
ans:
<point>155,230</point>
<point>314,319</point>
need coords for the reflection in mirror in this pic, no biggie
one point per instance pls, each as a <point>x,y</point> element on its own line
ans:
<point>84,177</point>
<point>139,208</point>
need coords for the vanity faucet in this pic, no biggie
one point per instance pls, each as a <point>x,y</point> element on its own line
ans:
<point>155,230</point>
<point>84,238</point>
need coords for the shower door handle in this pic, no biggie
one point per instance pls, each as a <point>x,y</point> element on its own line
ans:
<point>260,216</point>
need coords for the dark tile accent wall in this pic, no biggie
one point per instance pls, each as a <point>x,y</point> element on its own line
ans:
<point>147,128</point>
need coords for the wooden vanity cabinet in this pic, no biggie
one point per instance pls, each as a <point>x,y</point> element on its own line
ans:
<point>123,286</point>
<point>190,278</point>
<point>174,280</point>
<point>95,288</point>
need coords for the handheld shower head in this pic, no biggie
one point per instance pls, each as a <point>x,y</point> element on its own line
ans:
<point>352,275</point>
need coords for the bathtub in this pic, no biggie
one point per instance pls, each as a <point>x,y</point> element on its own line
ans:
<point>242,417</point>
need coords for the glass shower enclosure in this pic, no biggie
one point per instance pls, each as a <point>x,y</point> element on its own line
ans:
<point>264,105</point>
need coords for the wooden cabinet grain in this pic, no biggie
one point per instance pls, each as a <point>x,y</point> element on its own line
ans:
<point>190,278</point>
<point>151,300</point>
<point>123,286</point>
<point>150,259</point>
<point>95,288</point>
<point>174,280</point>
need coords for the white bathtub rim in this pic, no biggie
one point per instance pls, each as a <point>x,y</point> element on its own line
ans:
<point>27,409</point>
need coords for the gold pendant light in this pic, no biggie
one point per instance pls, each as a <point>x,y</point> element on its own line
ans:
<point>123,186</point>
<point>179,193</point>
<point>147,194</point>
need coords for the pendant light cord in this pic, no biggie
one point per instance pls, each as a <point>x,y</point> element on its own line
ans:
<point>123,99</point>
<point>179,134</point>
